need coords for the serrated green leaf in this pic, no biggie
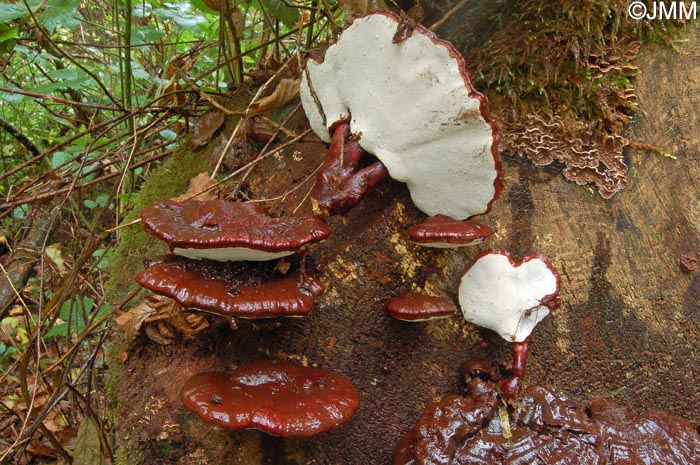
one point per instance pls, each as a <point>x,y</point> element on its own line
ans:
<point>180,17</point>
<point>8,33</point>
<point>60,329</point>
<point>66,310</point>
<point>67,73</point>
<point>10,11</point>
<point>11,98</point>
<point>102,311</point>
<point>51,87</point>
<point>146,35</point>
<point>59,158</point>
<point>287,14</point>
<point>60,13</point>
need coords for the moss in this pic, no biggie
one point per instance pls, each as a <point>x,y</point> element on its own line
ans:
<point>171,178</point>
<point>168,180</point>
<point>559,78</point>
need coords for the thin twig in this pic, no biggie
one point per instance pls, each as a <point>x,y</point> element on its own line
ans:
<point>448,15</point>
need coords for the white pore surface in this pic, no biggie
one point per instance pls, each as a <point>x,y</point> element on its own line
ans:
<point>411,105</point>
<point>496,295</point>
<point>447,245</point>
<point>231,254</point>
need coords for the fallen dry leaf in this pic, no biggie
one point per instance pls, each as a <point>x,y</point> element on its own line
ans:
<point>690,262</point>
<point>54,254</point>
<point>205,128</point>
<point>161,319</point>
<point>88,447</point>
<point>189,324</point>
<point>131,321</point>
<point>286,90</point>
<point>198,189</point>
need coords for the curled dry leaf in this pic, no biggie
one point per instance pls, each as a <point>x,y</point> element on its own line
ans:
<point>199,189</point>
<point>55,255</point>
<point>206,127</point>
<point>690,262</point>
<point>161,333</point>
<point>188,323</point>
<point>152,306</point>
<point>162,320</point>
<point>285,91</point>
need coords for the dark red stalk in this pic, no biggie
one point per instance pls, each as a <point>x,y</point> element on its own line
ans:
<point>511,386</point>
<point>340,185</point>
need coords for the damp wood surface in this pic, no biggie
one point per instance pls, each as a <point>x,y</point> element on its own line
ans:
<point>627,328</point>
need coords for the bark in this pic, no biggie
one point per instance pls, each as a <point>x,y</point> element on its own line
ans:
<point>20,266</point>
<point>627,328</point>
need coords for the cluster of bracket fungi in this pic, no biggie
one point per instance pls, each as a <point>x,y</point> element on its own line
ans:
<point>416,118</point>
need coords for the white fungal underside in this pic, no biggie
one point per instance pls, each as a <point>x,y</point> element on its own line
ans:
<point>411,105</point>
<point>496,295</point>
<point>231,254</point>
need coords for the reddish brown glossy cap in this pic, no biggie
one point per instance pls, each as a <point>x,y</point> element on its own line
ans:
<point>545,427</point>
<point>445,232</point>
<point>415,307</point>
<point>221,230</point>
<point>193,285</point>
<point>275,396</point>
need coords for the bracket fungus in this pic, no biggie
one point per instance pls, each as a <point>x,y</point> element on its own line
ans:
<point>216,288</point>
<point>413,106</point>
<point>223,231</point>
<point>543,427</point>
<point>443,232</point>
<point>414,307</point>
<point>275,396</point>
<point>509,298</point>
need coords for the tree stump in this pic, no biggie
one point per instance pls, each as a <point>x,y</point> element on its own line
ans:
<point>628,326</point>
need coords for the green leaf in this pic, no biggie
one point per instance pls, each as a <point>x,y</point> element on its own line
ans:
<point>20,213</point>
<point>180,16</point>
<point>102,311</point>
<point>60,329</point>
<point>201,6</point>
<point>101,199</point>
<point>66,310</point>
<point>146,35</point>
<point>168,134</point>
<point>60,13</point>
<point>59,158</point>
<point>287,14</point>
<point>10,11</point>
<point>67,74</point>
<point>103,259</point>
<point>88,304</point>
<point>51,87</point>
<point>7,37</point>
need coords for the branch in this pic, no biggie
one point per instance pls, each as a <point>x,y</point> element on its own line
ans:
<point>16,274</point>
<point>21,138</point>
